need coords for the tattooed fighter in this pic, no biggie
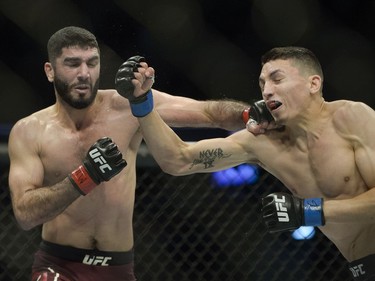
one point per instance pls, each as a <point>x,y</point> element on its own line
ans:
<point>324,152</point>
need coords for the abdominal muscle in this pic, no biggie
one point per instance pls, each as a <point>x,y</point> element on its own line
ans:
<point>100,220</point>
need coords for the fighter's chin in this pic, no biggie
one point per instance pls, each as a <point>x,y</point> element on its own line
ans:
<point>82,101</point>
<point>81,104</point>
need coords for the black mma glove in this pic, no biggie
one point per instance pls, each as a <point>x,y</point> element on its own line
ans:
<point>102,162</point>
<point>283,211</point>
<point>258,112</point>
<point>142,105</point>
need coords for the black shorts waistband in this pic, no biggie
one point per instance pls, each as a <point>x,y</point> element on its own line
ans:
<point>363,269</point>
<point>89,257</point>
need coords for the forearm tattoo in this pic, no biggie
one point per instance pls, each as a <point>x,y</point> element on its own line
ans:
<point>207,157</point>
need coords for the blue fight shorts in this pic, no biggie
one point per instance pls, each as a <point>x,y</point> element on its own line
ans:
<point>363,269</point>
<point>65,263</point>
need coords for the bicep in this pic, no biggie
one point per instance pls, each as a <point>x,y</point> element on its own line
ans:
<point>179,111</point>
<point>365,162</point>
<point>357,126</point>
<point>26,169</point>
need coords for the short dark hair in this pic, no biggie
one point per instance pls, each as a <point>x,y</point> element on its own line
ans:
<point>301,55</point>
<point>68,37</point>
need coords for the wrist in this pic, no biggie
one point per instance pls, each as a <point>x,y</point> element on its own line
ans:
<point>81,180</point>
<point>313,212</point>
<point>142,106</point>
<point>246,115</point>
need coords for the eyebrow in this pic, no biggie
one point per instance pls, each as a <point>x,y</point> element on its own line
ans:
<point>76,59</point>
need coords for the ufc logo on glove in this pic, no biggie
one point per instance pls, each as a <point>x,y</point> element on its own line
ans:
<point>102,162</point>
<point>282,211</point>
<point>98,158</point>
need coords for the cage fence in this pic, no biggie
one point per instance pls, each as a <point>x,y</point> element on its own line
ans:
<point>188,228</point>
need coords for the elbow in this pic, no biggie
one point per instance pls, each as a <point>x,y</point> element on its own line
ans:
<point>172,169</point>
<point>173,173</point>
<point>23,222</point>
<point>168,169</point>
<point>25,225</point>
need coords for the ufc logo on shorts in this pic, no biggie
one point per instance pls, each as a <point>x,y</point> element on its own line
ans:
<point>98,158</point>
<point>96,260</point>
<point>357,270</point>
<point>282,212</point>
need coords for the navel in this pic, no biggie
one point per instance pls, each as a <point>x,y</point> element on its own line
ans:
<point>346,179</point>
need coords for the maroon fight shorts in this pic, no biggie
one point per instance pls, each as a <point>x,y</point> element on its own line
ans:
<point>64,263</point>
<point>363,269</point>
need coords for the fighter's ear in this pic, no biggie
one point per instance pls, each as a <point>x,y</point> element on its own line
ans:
<point>48,69</point>
<point>315,84</point>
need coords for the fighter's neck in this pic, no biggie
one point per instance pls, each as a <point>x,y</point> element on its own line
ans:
<point>76,119</point>
<point>310,122</point>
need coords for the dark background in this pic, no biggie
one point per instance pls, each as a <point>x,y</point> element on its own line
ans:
<point>205,49</point>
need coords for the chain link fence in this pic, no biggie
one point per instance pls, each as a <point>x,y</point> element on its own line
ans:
<point>185,229</point>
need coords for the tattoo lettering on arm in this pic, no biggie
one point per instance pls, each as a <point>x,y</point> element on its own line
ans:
<point>207,157</point>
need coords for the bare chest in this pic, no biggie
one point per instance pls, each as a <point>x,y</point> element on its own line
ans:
<point>321,167</point>
<point>62,150</point>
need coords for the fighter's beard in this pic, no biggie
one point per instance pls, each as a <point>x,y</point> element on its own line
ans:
<point>63,90</point>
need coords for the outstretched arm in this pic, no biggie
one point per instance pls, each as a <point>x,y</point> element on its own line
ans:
<point>173,155</point>
<point>179,111</point>
<point>180,158</point>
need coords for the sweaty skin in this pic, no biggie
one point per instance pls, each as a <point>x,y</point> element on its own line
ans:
<point>326,149</point>
<point>49,144</point>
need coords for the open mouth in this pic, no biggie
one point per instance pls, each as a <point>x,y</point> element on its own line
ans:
<point>273,105</point>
